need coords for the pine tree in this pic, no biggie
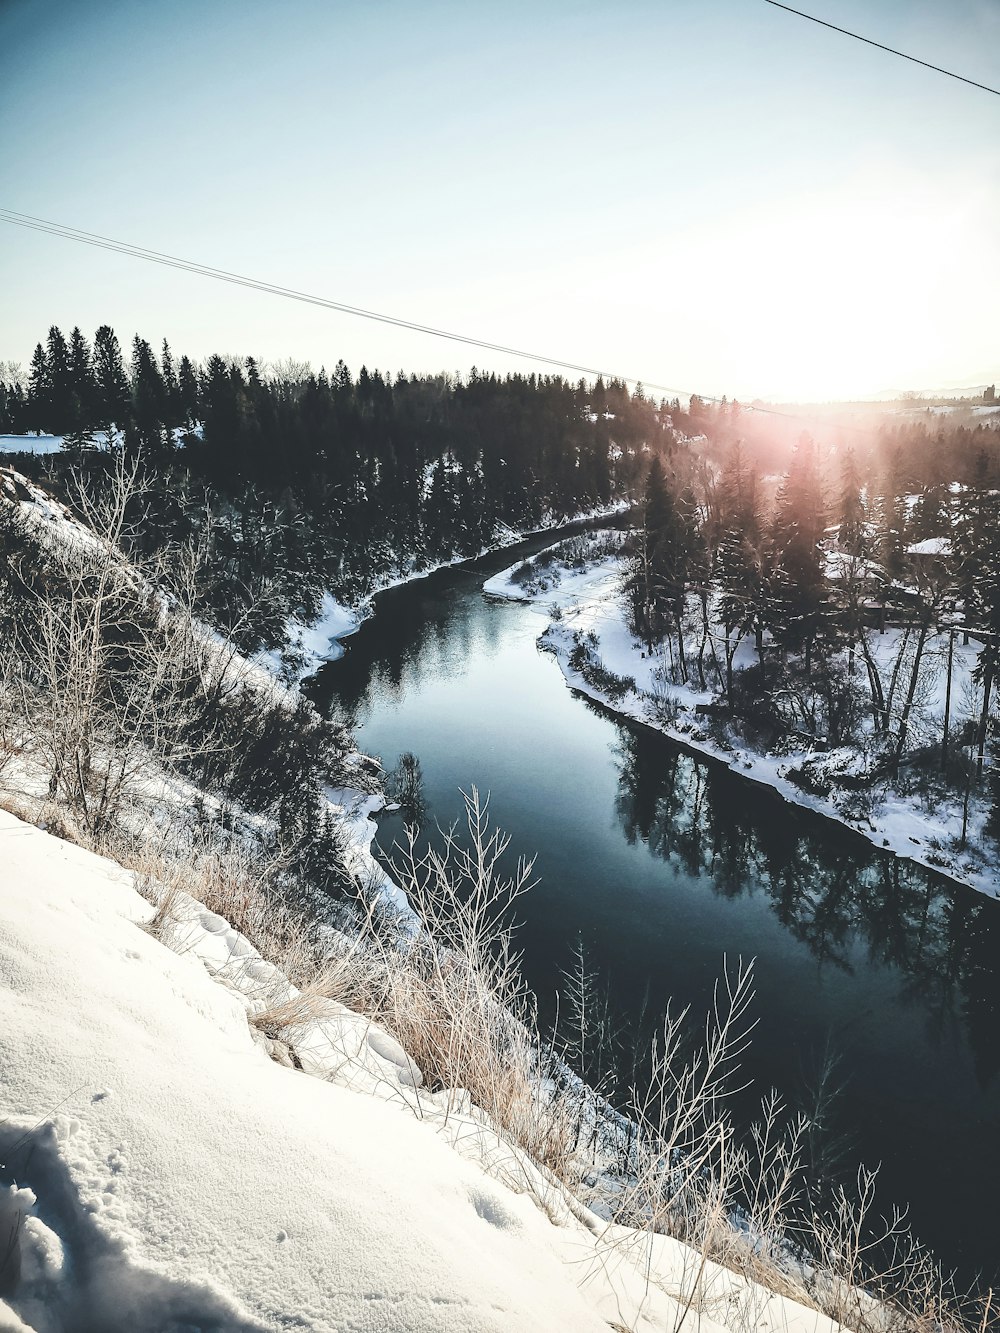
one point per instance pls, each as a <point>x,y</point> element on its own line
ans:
<point>148,398</point>
<point>930,516</point>
<point>171,390</point>
<point>644,578</point>
<point>742,557</point>
<point>975,512</point>
<point>60,389</point>
<point>188,392</point>
<point>113,398</point>
<point>797,535</point>
<point>83,387</point>
<point>852,530</point>
<point>39,405</point>
<point>987,608</point>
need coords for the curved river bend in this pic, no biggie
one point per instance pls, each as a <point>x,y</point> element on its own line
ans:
<point>664,864</point>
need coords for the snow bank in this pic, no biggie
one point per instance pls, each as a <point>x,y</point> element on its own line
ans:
<point>53,444</point>
<point>563,587</point>
<point>355,809</point>
<point>320,641</point>
<point>930,546</point>
<point>160,1172</point>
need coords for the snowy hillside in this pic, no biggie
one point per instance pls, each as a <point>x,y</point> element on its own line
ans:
<point>160,1172</point>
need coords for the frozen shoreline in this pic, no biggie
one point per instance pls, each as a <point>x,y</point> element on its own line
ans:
<point>322,640</point>
<point>586,603</point>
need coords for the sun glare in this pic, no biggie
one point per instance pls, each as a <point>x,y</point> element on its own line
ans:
<point>842,296</point>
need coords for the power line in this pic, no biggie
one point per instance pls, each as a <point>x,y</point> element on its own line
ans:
<point>891,49</point>
<point>101,242</point>
<point>238,279</point>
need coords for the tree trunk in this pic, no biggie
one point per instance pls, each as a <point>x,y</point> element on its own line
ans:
<point>879,713</point>
<point>984,719</point>
<point>704,641</point>
<point>911,690</point>
<point>947,703</point>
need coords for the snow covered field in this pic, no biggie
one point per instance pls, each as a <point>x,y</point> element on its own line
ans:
<point>30,444</point>
<point>586,602</point>
<point>53,444</point>
<point>160,1172</point>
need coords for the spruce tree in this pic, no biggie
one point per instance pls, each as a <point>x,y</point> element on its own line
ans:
<point>742,557</point>
<point>148,398</point>
<point>38,405</point>
<point>852,530</point>
<point>171,390</point>
<point>113,398</point>
<point>797,535</point>
<point>83,387</point>
<point>60,388</point>
<point>188,392</point>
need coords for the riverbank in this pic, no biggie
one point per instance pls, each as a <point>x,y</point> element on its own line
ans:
<point>322,640</point>
<point>599,657</point>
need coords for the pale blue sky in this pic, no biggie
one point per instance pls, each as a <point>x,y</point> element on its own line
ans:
<point>712,195</point>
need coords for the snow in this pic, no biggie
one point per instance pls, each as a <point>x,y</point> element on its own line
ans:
<point>161,1172</point>
<point>841,566</point>
<point>30,444</point>
<point>575,586</point>
<point>355,810</point>
<point>559,585</point>
<point>320,641</point>
<point>50,514</point>
<point>174,1154</point>
<point>946,409</point>
<point>52,444</point>
<point>930,546</point>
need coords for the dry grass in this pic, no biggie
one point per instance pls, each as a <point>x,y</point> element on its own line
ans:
<point>452,994</point>
<point>45,814</point>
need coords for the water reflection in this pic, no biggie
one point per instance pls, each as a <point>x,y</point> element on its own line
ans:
<point>425,630</point>
<point>944,942</point>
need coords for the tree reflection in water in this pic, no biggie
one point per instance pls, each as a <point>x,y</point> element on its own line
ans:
<point>943,940</point>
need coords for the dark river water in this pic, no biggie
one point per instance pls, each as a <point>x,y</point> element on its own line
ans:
<point>663,865</point>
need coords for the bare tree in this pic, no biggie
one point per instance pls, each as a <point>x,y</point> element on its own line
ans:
<point>114,675</point>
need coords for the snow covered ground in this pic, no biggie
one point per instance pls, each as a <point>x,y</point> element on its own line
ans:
<point>587,602</point>
<point>52,444</point>
<point>320,641</point>
<point>160,1172</point>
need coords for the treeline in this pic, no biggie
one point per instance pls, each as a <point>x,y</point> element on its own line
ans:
<point>320,480</point>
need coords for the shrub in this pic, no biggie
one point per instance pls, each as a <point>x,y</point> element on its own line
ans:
<point>583,657</point>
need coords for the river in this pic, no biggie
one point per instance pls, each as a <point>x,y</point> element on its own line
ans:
<point>663,865</point>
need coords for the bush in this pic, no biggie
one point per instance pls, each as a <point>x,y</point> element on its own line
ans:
<point>583,657</point>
